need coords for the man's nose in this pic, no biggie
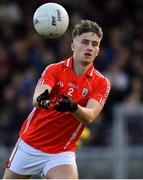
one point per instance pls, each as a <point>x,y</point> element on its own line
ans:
<point>90,47</point>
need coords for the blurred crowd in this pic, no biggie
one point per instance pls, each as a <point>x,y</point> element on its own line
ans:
<point>24,55</point>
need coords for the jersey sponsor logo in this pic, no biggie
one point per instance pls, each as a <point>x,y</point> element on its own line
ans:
<point>108,89</point>
<point>105,95</point>
<point>84,91</point>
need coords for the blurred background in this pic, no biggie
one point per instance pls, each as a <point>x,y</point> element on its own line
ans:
<point>111,147</point>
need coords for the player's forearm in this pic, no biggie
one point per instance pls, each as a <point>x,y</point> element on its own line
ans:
<point>86,115</point>
<point>38,91</point>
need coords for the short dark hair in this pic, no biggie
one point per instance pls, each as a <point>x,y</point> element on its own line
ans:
<point>87,26</point>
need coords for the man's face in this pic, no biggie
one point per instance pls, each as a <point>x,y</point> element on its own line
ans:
<point>86,47</point>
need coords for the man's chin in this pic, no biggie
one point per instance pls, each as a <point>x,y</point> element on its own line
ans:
<point>87,62</point>
<point>88,59</point>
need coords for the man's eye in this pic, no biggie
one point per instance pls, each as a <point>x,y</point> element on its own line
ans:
<point>85,42</point>
<point>94,44</point>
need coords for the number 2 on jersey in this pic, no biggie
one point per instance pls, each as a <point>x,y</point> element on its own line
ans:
<point>70,92</point>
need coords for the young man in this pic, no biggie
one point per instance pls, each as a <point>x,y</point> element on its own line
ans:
<point>69,95</point>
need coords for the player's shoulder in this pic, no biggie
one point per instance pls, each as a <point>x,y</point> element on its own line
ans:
<point>98,75</point>
<point>55,66</point>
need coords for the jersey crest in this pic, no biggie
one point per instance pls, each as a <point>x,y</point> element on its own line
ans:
<point>84,91</point>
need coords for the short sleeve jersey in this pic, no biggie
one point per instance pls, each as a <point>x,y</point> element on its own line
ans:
<point>52,131</point>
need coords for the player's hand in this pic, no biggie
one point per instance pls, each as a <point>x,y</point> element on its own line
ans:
<point>66,104</point>
<point>44,99</point>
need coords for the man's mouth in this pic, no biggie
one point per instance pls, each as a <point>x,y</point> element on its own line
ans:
<point>87,54</point>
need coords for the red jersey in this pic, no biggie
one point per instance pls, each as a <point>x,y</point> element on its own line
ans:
<point>52,131</point>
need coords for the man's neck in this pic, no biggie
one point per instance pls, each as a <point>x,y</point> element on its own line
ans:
<point>79,68</point>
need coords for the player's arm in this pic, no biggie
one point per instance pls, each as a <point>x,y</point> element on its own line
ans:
<point>89,113</point>
<point>85,114</point>
<point>41,96</point>
<point>94,105</point>
<point>44,86</point>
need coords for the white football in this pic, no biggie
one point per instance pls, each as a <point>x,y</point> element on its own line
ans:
<point>51,20</point>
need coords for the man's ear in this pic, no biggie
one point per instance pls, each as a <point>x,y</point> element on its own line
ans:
<point>72,46</point>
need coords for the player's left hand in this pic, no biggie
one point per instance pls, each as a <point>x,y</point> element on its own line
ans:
<point>43,100</point>
<point>66,104</point>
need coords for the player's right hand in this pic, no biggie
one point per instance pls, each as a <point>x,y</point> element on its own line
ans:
<point>43,99</point>
<point>66,104</point>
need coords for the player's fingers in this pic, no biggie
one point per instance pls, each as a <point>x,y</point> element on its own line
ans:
<point>46,94</point>
<point>45,104</point>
